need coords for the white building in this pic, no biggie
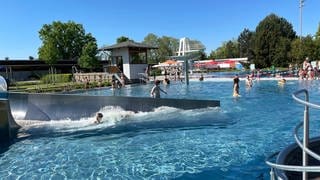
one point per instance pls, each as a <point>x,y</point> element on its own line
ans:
<point>129,58</point>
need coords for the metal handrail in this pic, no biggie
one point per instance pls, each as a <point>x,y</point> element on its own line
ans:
<point>307,103</point>
<point>294,168</point>
<point>310,152</point>
<point>304,146</point>
<point>291,167</point>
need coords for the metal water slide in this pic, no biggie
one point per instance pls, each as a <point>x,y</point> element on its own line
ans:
<point>64,106</point>
<point>46,107</point>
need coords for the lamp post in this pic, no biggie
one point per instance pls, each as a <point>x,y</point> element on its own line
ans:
<point>301,4</point>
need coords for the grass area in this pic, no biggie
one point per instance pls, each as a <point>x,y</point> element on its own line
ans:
<point>38,87</point>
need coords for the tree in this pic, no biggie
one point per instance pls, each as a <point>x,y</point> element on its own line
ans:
<point>309,47</point>
<point>63,41</point>
<point>228,49</point>
<point>212,55</point>
<point>295,53</point>
<point>153,55</point>
<point>246,44</point>
<point>219,53</point>
<point>88,57</point>
<point>282,50</point>
<point>272,32</point>
<point>123,39</point>
<point>201,55</point>
<point>232,50</point>
<point>167,47</point>
<point>49,53</point>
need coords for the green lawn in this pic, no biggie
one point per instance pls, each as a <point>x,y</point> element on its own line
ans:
<point>38,87</point>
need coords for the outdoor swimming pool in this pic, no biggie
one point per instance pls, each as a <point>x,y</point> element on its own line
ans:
<point>230,142</point>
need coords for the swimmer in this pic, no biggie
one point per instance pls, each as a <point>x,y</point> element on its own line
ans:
<point>236,86</point>
<point>282,81</point>
<point>249,82</point>
<point>201,78</point>
<point>99,117</point>
<point>236,95</point>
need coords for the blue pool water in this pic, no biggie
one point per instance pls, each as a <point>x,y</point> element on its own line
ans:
<point>230,142</point>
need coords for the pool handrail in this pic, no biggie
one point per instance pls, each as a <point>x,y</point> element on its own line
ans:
<point>304,146</point>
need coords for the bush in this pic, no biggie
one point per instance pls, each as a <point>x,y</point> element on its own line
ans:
<point>56,78</point>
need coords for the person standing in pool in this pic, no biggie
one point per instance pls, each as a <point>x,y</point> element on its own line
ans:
<point>155,91</point>
<point>236,87</point>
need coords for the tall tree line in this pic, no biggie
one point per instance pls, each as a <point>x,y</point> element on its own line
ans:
<point>274,42</point>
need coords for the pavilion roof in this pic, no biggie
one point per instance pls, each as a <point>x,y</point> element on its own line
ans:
<point>128,44</point>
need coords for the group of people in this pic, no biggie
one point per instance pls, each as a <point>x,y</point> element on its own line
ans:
<point>307,71</point>
<point>236,81</point>
<point>115,83</point>
<point>249,83</point>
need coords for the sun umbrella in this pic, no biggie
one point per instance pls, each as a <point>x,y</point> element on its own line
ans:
<point>170,62</point>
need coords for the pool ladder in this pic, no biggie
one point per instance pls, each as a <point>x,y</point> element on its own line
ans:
<point>303,145</point>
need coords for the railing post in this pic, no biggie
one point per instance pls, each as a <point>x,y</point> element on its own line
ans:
<point>305,136</point>
<point>272,174</point>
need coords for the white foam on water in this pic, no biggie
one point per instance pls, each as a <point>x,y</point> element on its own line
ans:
<point>112,116</point>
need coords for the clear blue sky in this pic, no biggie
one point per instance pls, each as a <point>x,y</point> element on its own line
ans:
<point>210,21</point>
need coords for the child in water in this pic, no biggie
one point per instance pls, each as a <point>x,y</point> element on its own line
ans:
<point>99,117</point>
<point>236,87</point>
<point>282,81</point>
<point>155,91</point>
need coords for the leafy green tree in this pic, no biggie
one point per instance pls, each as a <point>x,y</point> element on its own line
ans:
<point>306,47</point>
<point>246,44</point>
<point>309,47</point>
<point>295,53</point>
<point>88,57</point>
<point>232,50</point>
<point>201,55</point>
<point>269,33</point>
<point>212,55</point>
<point>228,49</point>
<point>282,50</point>
<point>219,53</point>
<point>167,47</point>
<point>64,40</point>
<point>49,52</point>
<point>123,39</point>
<point>153,55</point>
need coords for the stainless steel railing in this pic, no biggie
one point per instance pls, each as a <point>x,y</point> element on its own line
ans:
<point>304,145</point>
